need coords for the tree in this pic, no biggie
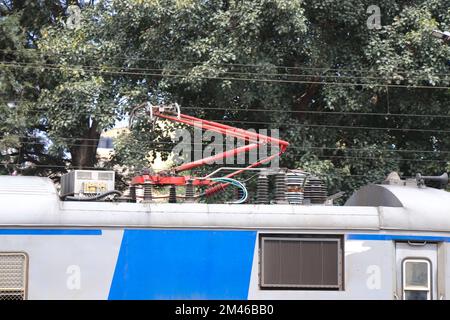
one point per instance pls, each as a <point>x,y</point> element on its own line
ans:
<point>355,102</point>
<point>23,79</point>
<point>332,65</point>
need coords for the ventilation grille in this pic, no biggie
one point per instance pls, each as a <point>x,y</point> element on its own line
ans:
<point>85,175</point>
<point>12,276</point>
<point>301,263</point>
<point>105,176</point>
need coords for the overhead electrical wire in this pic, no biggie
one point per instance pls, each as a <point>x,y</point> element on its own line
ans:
<point>100,168</point>
<point>134,58</point>
<point>330,126</point>
<point>68,166</point>
<point>100,71</point>
<point>165,70</point>
<point>345,113</point>
<point>291,147</point>
<point>331,113</point>
<point>306,112</point>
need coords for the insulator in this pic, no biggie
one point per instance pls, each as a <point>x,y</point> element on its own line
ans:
<point>262,193</point>
<point>294,187</point>
<point>139,193</point>
<point>133,193</point>
<point>147,191</point>
<point>280,187</point>
<point>173,194</point>
<point>315,191</point>
<point>190,191</point>
<point>239,193</point>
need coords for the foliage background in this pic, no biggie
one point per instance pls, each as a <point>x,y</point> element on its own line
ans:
<point>355,103</point>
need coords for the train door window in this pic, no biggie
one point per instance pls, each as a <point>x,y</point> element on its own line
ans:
<point>13,275</point>
<point>416,279</point>
<point>301,263</point>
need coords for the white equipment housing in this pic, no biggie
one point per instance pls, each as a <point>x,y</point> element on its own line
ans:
<point>87,182</point>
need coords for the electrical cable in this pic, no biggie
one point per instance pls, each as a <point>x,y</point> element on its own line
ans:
<point>125,57</point>
<point>97,197</point>
<point>16,65</point>
<point>331,113</point>
<point>235,183</point>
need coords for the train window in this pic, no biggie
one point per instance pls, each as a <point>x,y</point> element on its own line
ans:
<point>416,279</point>
<point>301,263</point>
<point>13,275</point>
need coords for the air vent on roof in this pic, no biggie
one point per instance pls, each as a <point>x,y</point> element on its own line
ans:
<point>85,175</point>
<point>105,176</point>
<point>87,182</point>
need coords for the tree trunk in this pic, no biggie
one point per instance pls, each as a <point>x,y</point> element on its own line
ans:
<point>84,152</point>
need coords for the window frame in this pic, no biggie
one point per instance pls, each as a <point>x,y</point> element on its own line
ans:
<point>298,238</point>
<point>416,288</point>
<point>25,272</point>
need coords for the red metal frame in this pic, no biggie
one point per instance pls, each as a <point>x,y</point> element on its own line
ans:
<point>255,140</point>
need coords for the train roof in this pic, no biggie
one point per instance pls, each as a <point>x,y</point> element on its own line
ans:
<point>423,199</point>
<point>26,185</point>
<point>34,202</point>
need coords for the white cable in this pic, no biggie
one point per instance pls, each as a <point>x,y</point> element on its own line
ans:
<point>236,183</point>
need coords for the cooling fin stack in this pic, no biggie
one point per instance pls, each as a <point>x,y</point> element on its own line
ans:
<point>294,187</point>
<point>262,193</point>
<point>280,188</point>
<point>315,191</point>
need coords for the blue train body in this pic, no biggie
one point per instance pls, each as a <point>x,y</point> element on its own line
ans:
<point>51,249</point>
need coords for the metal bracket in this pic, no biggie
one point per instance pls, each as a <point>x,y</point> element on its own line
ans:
<point>177,107</point>
<point>150,110</point>
<point>174,107</point>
